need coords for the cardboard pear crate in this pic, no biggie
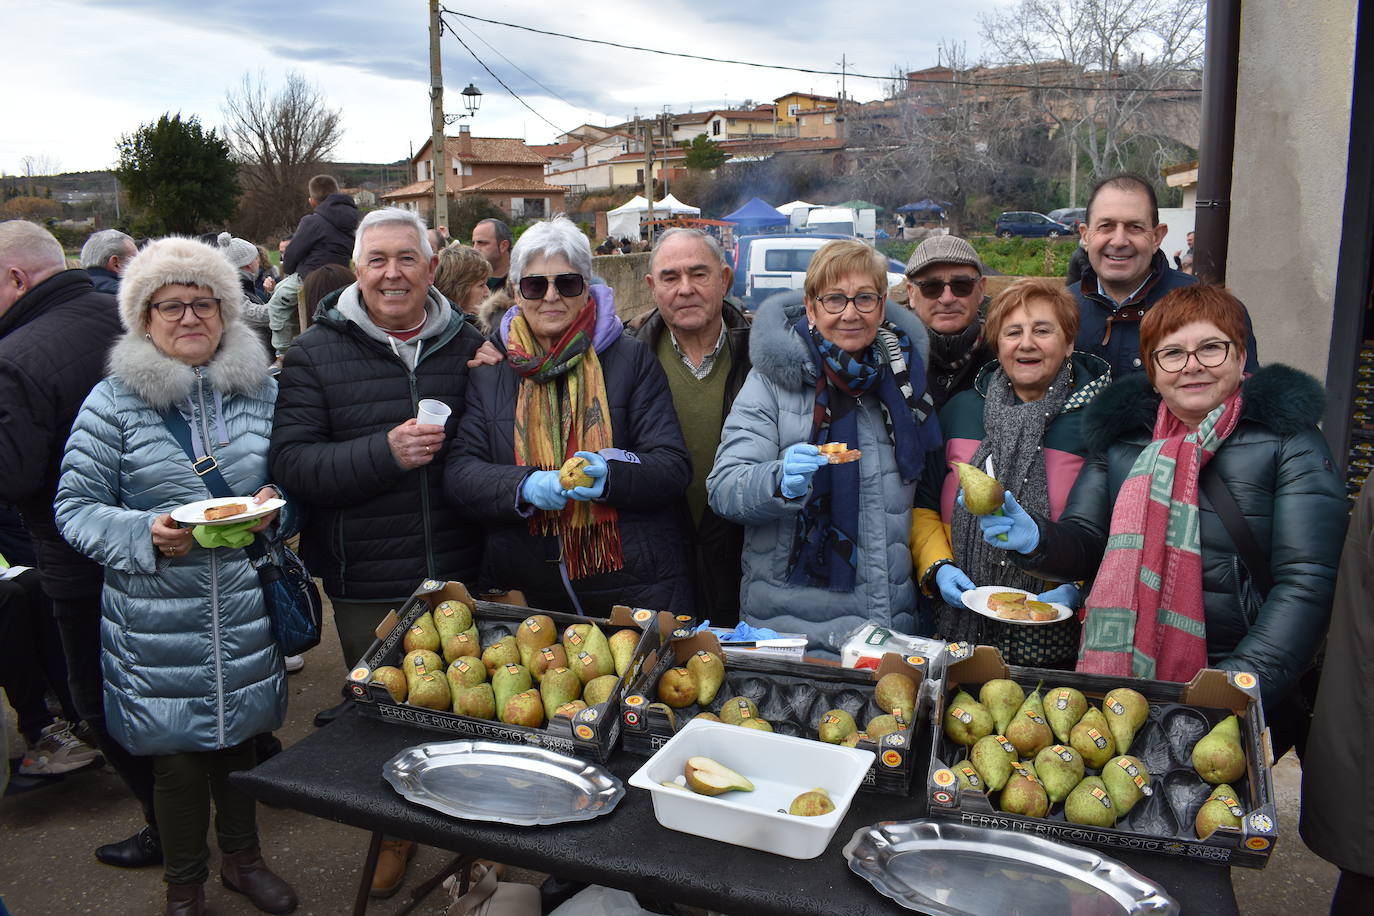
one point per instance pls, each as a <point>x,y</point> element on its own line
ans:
<point>590,733</point>
<point>791,696</point>
<point>1162,822</point>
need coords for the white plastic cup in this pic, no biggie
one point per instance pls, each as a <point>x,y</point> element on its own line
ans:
<point>432,412</point>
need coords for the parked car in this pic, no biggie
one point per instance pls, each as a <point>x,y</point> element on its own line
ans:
<point>1028,223</point>
<point>1069,216</point>
<point>766,264</point>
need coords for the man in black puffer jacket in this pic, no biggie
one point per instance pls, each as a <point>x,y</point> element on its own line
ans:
<point>324,236</point>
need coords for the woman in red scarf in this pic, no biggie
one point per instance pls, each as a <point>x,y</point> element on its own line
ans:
<point>572,385</point>
<point>1175,591</point>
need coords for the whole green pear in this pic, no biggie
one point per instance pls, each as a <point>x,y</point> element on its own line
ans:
<point>452,618</point>
<point>835,726</point>
<point>1023,794</point>
<point>560,686</point>
<point>623,643</point>
<point>477,701</point>
<point>505,651</point>
<point>394,679</point>
<point>1221,809</point>
<point>709,671</point>
<point>1090,804</point>
<point>1028,729</point>
<point>966,720</point>
<point>430,691</point>
<point>1127,782</point>
<point>886,724</point>
<point>1093,739</point>
<point>466,672</point>
<point>993,756</point>
<point>508,681</point>
<point>968,776</point>
<point>736,709</point>
<point>1002,698</point>
<point>1126,710</point>
<point>983,495</point>
<point>524,708</point>
<point>896,694</point>
<point>599,689</point>
<point>1218,756</point>
<point>1064,706</point>
<point>1060,768</point>
<point>422,634</point>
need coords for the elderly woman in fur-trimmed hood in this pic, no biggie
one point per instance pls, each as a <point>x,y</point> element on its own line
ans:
<point>192,671</point>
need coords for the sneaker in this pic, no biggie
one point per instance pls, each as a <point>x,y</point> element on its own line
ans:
<point>58,751</point>
<point>294,663</point>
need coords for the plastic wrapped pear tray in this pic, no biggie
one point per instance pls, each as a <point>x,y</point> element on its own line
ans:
<point>591,734</point>
<point>1162,822</point>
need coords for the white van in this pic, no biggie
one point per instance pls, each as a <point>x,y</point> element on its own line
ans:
<point>771,264</point>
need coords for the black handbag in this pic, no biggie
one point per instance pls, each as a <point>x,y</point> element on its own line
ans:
<point>293,601</point>
<point>1291,719</point>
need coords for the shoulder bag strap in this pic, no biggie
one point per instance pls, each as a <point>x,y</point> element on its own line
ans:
<point>1224,504</point>
<point>205,466</point>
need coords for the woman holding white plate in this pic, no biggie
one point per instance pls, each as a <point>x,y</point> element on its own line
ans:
<point>192,671</point>
<point>1022,417</point>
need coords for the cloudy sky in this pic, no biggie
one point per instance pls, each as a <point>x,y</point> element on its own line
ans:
<point>80,73</point>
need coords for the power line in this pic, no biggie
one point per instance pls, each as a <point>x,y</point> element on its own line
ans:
<point>975,84</point>
<point>498,79</point>
<point>516,67</point>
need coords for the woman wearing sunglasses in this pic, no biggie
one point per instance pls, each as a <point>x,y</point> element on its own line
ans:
<point>826,545</point>
<point>1173,588</point>
<point>1024,418</point>
<point>572,385</point>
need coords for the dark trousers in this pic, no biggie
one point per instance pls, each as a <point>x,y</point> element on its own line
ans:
<point>357,622</point>
<point>184,785</point>
<point>31,657</point>
<point>1353,893</point>
<point>79,623</point>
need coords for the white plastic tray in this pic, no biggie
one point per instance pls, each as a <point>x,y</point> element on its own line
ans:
<point>781,768</point>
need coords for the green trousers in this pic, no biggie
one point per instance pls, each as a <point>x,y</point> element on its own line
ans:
<point>357,622</point>
<point>183,785</point>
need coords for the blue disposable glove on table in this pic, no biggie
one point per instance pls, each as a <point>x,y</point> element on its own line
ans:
<point>799,464</point>
<point>1066,594</point>
<point>597,469</point>
<point>543,491</point>
<point>1022,532</point>
<point>952,583</point>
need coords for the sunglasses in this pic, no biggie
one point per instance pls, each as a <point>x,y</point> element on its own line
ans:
<point>960,286</point>
<point>567,286</point>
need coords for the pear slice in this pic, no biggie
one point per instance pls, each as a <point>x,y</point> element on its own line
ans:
<point>709,777</point>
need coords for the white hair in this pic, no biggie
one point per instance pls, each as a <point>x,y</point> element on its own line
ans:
<point>30,246</point>
<point>392,215</point>
<point>106,244</point>
<point>557,236</point>
<point>710,241</point>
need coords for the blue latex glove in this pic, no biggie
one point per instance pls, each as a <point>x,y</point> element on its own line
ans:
<point>1021,531</point>
<point>799,463</point>
<point>952,583</point>
<point>597,469</point>
<point>1066,594</point>
<point>543,491</point>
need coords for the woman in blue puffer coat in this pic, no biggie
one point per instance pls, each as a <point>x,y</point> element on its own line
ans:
<point>192,671</point>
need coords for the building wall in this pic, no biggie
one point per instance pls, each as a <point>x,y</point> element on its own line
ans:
<point>624,273</point>
<point>1289,178</point>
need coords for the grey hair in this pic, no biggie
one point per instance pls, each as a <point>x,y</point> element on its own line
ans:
<point>392,215</point>
<point>558,236</point>
<point>30,246</point>
<point>706,238</point>
<point>106,244</point>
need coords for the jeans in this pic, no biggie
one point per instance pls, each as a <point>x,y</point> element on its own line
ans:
<point>79,623</point>
<point>184,786</point>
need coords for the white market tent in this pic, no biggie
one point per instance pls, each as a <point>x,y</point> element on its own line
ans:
<point>786,209</point>
<point>671,206</point>
<point>623,221</point>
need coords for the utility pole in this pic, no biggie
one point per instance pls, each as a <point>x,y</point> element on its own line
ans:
<point>436,109</point>
<point>649,176</point>
<point>839,112</point>
<point>1073,172</point>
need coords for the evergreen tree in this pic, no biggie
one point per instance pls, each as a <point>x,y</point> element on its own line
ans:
<point>703,154</point>
<point>178,175</point>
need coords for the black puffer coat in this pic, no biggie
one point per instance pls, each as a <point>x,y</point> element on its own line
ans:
<point>53,344</point>
<point>372,530</point>
<point>483,480</point>
<point>715,545</point>
<point>1277,466</point>
<point>323,237</point>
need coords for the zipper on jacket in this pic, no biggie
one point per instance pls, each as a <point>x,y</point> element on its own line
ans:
<point>216,643</point>
<point>430,571</point>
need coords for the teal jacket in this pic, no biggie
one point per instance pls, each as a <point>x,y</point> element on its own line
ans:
<point>189,659</point>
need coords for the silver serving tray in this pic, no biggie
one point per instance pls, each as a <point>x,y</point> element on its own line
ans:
<point>949,869</point>
<point>503,783</point>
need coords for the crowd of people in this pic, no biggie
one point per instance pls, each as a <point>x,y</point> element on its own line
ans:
<point>1174,494</point>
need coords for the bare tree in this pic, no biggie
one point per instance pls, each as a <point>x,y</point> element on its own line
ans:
<point>1105,72</point>
<point>279,141</point>
<point>37,166</point>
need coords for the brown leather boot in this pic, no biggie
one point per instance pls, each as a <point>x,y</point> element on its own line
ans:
<point>246,873</point>
<point>185,900</point>
<point>391,867</point>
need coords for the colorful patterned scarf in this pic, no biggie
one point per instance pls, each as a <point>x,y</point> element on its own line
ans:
<point>825,546</point>
<point>553,420</point>
<point>1145,614</point>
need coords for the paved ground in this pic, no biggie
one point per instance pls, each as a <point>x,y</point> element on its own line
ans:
<point>47,837</point>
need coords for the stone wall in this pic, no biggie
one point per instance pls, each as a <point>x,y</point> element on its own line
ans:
<point>624,273</point>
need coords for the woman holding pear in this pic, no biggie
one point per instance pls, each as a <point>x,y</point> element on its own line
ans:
<point>1175,587</point>
<point>1023,418</point>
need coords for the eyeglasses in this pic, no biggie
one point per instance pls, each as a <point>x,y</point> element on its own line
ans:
<point>960,286</point>
<point>1209,355</point>
<point>567,285</point>
<point>835,303</point>
<point>175,309</point>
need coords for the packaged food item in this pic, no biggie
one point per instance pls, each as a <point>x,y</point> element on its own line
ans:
<point>866,646</point>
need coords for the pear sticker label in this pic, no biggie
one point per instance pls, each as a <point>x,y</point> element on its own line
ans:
<point>1064,753</point>
<point>1095,737</point>
<point>1101,796</point>
<point>512,669</point>
<point>1061,700</point>
<point>961,714</point>
<point>532,625</point>
<point>1006,745</point>
<point>1115,707</point>
<point>972,776</point>
<point>1030,714</point>
<point>462,666</point>
<point>575,638</point>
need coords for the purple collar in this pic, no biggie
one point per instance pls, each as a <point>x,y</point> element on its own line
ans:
<point>609,327</point>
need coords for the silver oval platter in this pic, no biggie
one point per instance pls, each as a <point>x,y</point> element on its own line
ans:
<point>505,783</point>
<point>948,869</point>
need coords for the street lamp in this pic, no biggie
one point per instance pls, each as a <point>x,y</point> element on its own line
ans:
<point>472,100</point>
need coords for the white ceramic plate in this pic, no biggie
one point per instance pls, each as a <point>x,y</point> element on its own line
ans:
<point>194,513</point>
<point>977,600</point>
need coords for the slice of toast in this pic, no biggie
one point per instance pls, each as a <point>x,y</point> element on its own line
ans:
<point>225,511</point>
<point>839,452</point>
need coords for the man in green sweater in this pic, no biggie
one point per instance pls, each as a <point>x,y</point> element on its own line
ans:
<point>702,341</point>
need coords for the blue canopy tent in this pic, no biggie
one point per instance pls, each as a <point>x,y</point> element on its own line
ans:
<point>756,213</point>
